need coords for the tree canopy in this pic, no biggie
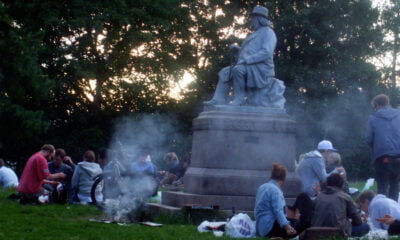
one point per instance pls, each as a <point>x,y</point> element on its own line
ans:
<point>69,70</point>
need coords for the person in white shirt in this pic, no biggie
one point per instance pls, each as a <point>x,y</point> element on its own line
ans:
<point>8,178</point>
<point>384,212</point>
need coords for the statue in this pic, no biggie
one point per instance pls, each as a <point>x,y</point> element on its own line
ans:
<point>252,73</point>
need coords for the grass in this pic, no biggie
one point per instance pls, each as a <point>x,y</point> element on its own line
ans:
<point>71,222</point>
<point>360,185</point>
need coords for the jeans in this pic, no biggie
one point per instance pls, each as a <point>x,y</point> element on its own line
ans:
<point>360,230</point>
<point>387,171</point>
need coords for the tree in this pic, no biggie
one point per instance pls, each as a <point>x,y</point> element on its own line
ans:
<point>390,17</point>
<point>23,89</point>
<point>322,55</point>
<point>94,61</point>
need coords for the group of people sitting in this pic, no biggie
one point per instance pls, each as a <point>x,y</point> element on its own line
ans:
<point>324,201</point>
<point>61,180</point>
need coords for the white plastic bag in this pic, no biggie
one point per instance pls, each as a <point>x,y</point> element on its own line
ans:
<point>368,184</point>
<point>241,226</point>
<point>207,226</point>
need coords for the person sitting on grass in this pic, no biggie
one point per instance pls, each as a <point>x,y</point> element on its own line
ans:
<point>384,212</point>
<point>175,171</point>
<point>335,208</point>
<point>83,178</point>
<point>63,163</point>
<point>35,174</point>
<point>269,207</point>
<point>145,171</point>
<point>8,178</point>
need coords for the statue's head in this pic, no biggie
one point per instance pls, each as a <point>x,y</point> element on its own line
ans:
<point>260,11</point>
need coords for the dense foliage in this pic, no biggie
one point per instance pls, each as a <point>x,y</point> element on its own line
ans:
<point>71,71</point>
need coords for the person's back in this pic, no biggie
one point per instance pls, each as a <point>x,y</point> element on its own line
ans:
<point>34,174</point>
<point>383,136</point>
<point>8,178</point>
<point>83,177</point>
<point>311,171</point>
<point>384,132</point>
<point>269,206</point>
<point>331,209</point>
<point>334,208</point>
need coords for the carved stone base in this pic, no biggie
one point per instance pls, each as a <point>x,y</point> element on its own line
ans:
<point>232,154</point>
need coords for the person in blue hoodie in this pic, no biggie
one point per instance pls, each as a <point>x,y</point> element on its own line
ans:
<point>383,136</point>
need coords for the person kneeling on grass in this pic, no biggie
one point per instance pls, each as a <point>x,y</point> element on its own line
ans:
<point>269,207</point>
<point>333,208</point>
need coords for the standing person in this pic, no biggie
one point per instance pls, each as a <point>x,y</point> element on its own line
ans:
<point>254,72</point>
<point>63,163</point>
<point>383,136</point>
<point>334,208</point>
<point>83,178</point>
<point>384,212</point>
<point>269,206</point>
<point>36,173</point>
<point>312,170</point>
<point>8,178</point>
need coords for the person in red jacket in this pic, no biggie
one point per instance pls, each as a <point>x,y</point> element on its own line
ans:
<point>36,173</point>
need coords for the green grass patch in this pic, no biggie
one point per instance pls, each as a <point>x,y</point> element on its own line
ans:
<point>360,185</point>
<point>71,222</point>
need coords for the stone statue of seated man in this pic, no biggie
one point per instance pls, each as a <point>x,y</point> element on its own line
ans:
<point>252,76</point>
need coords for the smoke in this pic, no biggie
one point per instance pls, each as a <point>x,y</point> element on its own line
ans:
<point>125,193</point>
<point>343,121</point>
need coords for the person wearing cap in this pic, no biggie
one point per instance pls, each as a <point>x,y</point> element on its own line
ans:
<point>383,136</point>
<point>312,170</point>
<point>253,69</point>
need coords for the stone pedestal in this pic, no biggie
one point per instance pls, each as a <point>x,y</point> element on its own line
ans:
<point>232,154</point>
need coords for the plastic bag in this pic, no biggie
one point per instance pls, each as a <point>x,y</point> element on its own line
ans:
<point>207,226</point>
<point>241,226</point>
<point>368,184</point>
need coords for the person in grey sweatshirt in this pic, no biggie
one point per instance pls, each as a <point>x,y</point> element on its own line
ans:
<point>83,178</point>
<point>312,171</point>
<point>383,136</point>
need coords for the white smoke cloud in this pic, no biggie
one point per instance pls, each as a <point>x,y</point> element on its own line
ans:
<point>133,135</point>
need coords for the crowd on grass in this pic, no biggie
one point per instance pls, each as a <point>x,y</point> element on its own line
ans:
<point>50,175</point>
<point>324,201</point>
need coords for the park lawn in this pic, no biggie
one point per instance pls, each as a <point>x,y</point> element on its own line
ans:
<point>66,222</point>
<point>71,222</point>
